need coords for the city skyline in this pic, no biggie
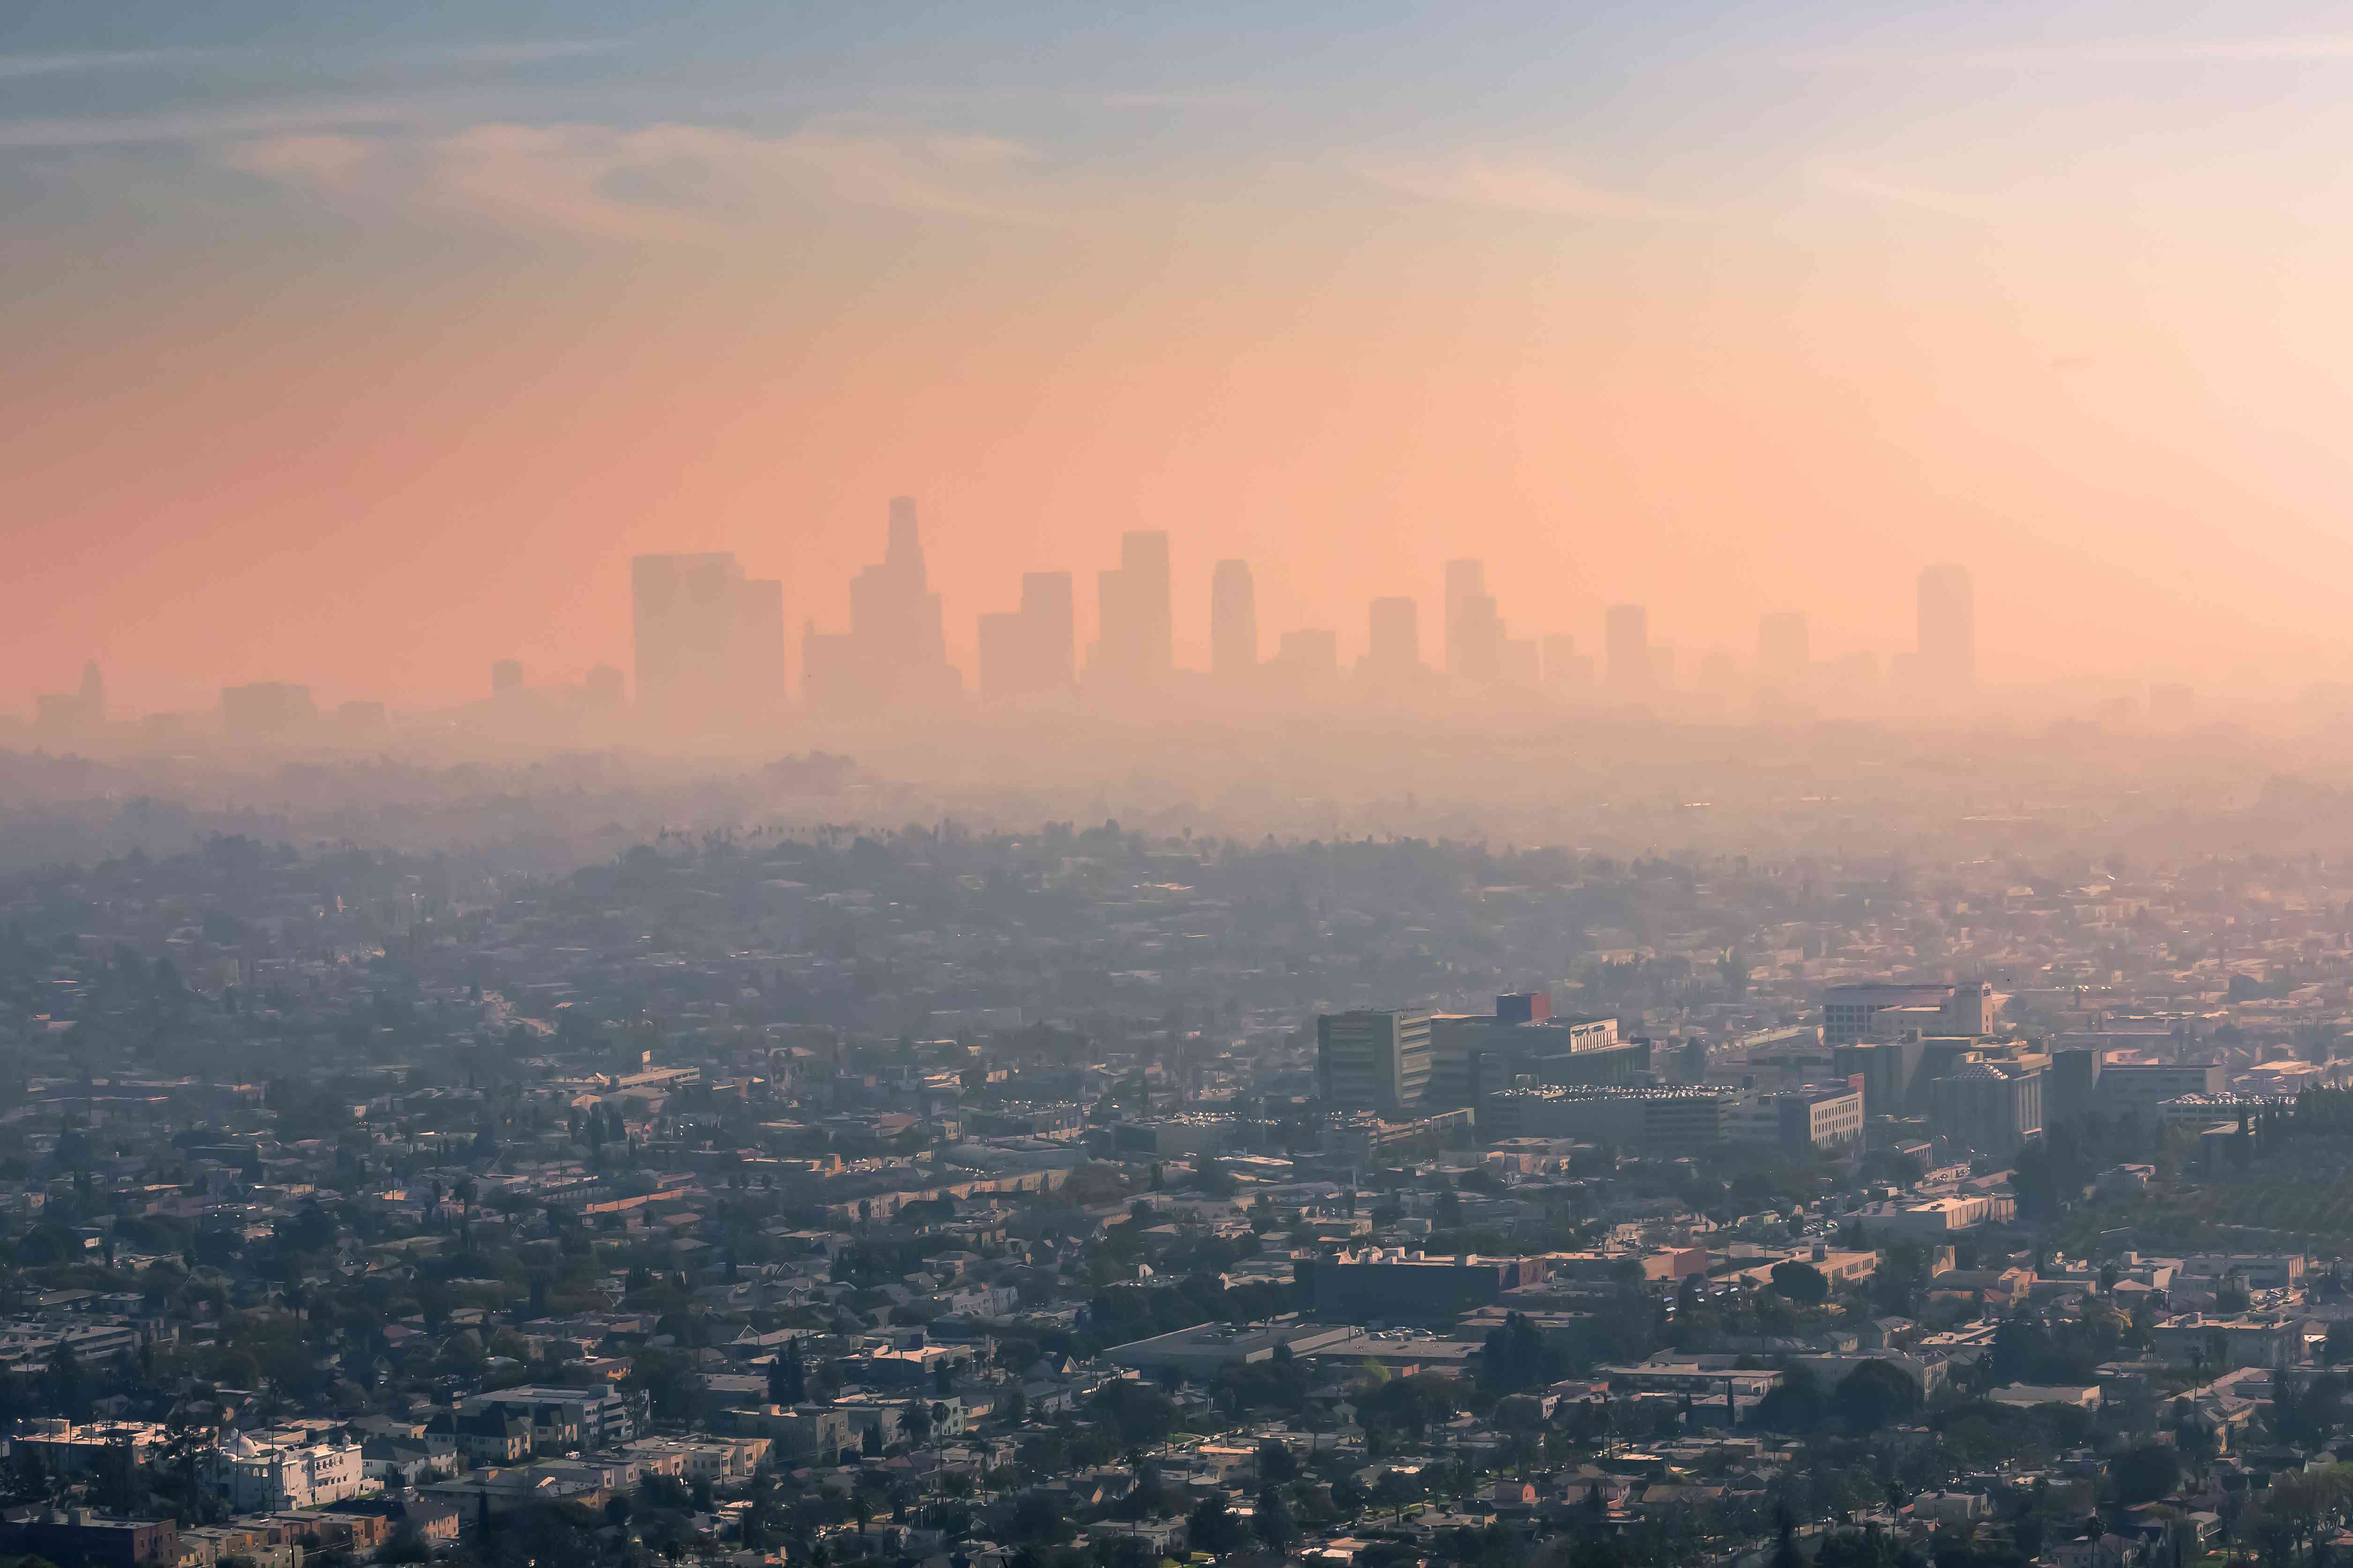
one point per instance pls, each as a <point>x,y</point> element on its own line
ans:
<point>374,352</point>
<point>708,647</point>
<point>925,785</point>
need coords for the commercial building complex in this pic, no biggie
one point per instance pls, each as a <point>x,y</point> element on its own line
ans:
<point>1372,1060</point>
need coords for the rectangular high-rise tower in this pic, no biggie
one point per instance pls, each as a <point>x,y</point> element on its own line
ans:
<point>1233,621</point>
<point>709,641</point>
<point>1394,650</point>
<point>1028,652</point>
<point>1475,632</point>
<point>1372,1060</point>
<point>1134,638</point>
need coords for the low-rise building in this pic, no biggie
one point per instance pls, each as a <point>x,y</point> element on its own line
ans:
<point>82,1535</point>
<point>1199,1353</point>
<point>1394,1284</point>
<point>68,1448</point>
<point>2218,1342</point>
<point>563,1420</point>
<point>284,1468</point>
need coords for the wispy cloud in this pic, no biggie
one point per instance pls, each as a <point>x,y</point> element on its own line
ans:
<point>2311,50</point>
<point>202,127</point>
<point>1848,181</point>
<point>1513,185</point>
<point>669,182</point>
<point>196,57</point>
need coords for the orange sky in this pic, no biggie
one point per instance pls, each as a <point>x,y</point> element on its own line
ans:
<point>372,408</point>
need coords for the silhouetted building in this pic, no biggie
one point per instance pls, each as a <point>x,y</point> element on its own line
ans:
<point>1028,652</point>
<point>1626,639</point>
<point>1988,1107</point>
<point>1050,603</point>
<point>1567,674</point>
<point>1785,660</point>
<point>602,687</point>
<point>1357,1287</point>
<point>1475,632</point>
<point>1372,1060</point>
<point>1873,1012</point>
<point>1233,621</point>
<point>710,643</point>
<point>1475,1055</point>
<point>1524,1006</point>
<point>266,708</point>
<point>67,713</point>
<point>1136,639</point>
<point>84,1536</point>
<point>1946,662</point>
<point>895,652</point>
<point>1393,653</point>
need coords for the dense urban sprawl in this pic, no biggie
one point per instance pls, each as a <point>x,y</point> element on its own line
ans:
<point>1084,1198</point>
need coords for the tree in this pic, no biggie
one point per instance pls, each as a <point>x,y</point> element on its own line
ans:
<point>1272,1522</point>
<point>1800,1282</point>
<point>2146,1473</point>
<point>1276,1465</point>
<point>1211,1527</point>
<point>1143,1415</point>
<point>1144,1499</point>
<point>1873,1394</point>
<point>787,1379</point>
<point>1515,1357</point>
<point>404,1545</point>
<point>61,1385</point>
<point>310,1230</point>
<point>1408,1404</point>
<point>1447,1213</point>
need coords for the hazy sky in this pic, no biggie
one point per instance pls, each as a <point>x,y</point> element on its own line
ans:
<point>361,344</point>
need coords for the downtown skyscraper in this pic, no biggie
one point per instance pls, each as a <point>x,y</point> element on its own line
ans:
<point>1135,635</point>
<point>1029,652</point>
<point>1233,622</point>
<point>710,642</point>
<point>895,652</point>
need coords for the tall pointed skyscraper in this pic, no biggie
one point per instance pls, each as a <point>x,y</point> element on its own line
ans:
<point>895,652</point>
<point>1475,632</point>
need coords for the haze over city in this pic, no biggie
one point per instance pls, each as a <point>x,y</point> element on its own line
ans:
<point>362,350</point>
<point>1034,786</point>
